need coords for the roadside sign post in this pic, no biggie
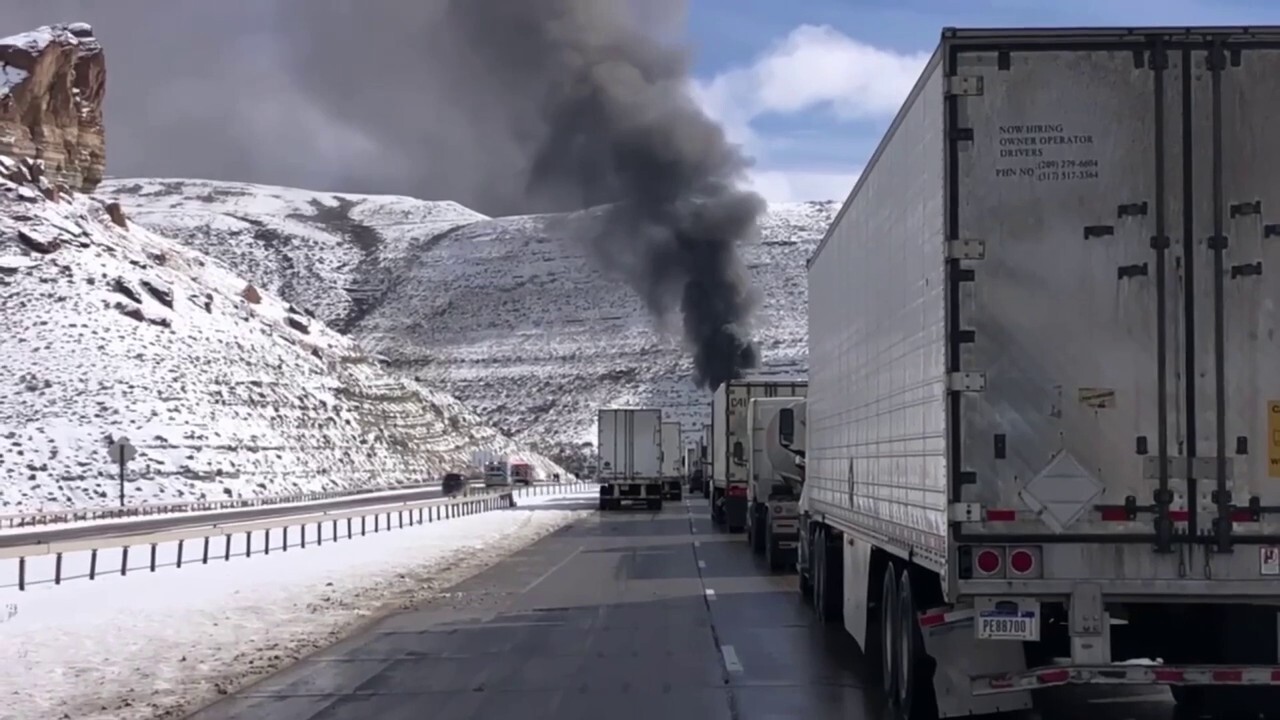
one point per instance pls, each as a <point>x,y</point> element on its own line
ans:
<point>121,452</point>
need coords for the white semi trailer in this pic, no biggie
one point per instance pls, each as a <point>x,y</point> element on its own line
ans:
<point>729,443</point>
<point>1045,375</point>
<point>775,477</point>
<point>704,448</point>
<point>630,446</point>
<point>672,463</point>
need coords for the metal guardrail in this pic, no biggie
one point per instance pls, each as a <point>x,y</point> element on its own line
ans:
<point>315,528</point>
<point>57,517</point>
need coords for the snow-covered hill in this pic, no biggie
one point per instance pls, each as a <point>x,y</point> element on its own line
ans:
<point>225,390</point>
<point>503,312</point>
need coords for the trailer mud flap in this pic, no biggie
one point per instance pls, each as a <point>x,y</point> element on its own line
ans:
<point>949,638</point>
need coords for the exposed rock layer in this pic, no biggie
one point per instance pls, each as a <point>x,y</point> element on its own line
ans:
<point>52,83</point>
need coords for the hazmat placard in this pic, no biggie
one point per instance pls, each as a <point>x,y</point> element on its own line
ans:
<point>1273,438</point>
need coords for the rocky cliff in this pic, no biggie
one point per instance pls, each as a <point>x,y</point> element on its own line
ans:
<point>52,82</point>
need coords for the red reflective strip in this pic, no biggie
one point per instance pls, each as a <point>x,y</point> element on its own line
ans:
<point>1001,515</point>
<point>1114,514</point>
<point>1166,675</point>
<point>1002,682</point>
<point>1275,676</point>
<point>1228,676</point>
<point>1049,677</point>
<point>735,490</point>
<point>1180,515</point>
<point>932,620</point>
<point>1239,515</point>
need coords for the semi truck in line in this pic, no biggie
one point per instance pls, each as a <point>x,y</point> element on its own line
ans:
<point>630,445</point>
<point>704,449</point>
<point>729,407</point>
<point>693,468</point>
<point>1045,375</point>
<point>775,475</point>
<point>672,480</point>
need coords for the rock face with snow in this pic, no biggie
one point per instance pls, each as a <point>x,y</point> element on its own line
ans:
<point>505,313</point>
<point>226,389</point>
<point>52,83</point>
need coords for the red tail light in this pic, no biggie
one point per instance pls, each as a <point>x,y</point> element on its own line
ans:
<point>987,561</point>
<point>1021,562</point>
<point>736,491</point>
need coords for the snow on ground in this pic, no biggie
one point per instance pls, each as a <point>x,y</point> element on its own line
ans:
<point>110,332</point>
<point>153,646</point>
<point>504,313</point>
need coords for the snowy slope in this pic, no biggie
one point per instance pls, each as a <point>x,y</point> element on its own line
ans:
<point>127,332</point>
<point>503,312</point>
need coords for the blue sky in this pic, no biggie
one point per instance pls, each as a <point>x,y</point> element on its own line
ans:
<point>808,86</point>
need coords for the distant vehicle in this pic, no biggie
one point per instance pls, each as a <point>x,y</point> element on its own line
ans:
<point>672,483</point>
<point>521,473</point>
<point>495,475</point>
<point>630,446</point>
<point>454,484</point>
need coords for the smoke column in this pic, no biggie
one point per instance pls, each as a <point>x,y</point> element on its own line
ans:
<point>621,130</point>
<point>562,105</point>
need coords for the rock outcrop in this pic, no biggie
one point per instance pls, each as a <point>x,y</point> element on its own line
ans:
<point>52,82</point>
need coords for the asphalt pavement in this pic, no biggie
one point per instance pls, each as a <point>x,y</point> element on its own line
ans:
<point>179,521</point>
<point>625,615</point>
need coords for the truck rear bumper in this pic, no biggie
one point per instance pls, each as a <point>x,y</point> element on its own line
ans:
<point>632,490</point>
<point>1127,674</point>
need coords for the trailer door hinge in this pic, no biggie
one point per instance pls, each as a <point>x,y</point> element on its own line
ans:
<point>964,85</point>
<point>966,382</point>
<point>966,250</point>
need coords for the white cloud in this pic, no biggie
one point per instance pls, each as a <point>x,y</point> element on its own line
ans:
<point>778,186</point>
<point>812,68</point>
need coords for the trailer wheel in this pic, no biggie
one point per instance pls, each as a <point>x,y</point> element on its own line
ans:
<point>755,537</point>
<point>655,504</point>
<point>773,554</point>
<point>804,563</point>
<point>915,698</point>
<point>889,632</point>
<point>604,504</point>
<point>817,556</point>
<point>828,591</point>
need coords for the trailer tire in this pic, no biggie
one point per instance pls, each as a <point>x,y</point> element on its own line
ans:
<point>773,554</point>
<point>915,697</point>
<point>655,504</point>
<point>755,538</point>
<point>828,589</point>
<point>888,631</point>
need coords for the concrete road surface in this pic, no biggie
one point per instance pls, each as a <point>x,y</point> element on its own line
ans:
<point>628,615</point>
<point>177,521</point>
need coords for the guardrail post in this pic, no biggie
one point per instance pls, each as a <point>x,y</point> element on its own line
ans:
<point>204,552</point>
<point>284,544</point>
<point>93,563</point>
<point>248,543</point>
<point>57,569</point>
<point>302,529</point>
<point>363,525</point>
<point>180,553</point>
<point>22,574</point>
<point>226,553</point>
<point>348,528</point>
<point>266,541</point>
<point>319,533</point>
<point>153,557</point>
<point>124,560</point>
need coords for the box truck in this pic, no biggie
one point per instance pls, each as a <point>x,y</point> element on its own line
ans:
<point>672,462</point>
<point>693,468</point>
<point>729,443</point>
<point>775,476</point>
<point>1045,371</point>
<point>630,446</point>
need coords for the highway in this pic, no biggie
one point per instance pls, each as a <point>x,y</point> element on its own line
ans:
<point>631,615</point>
<point>178,521</point>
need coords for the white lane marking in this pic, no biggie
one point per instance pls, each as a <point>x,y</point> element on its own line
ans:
<point>711,594</point>
<point>731,662</point>
<point>702,564</point>
<point>547,574</point>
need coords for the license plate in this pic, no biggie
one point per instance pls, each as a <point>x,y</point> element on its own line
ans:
<point>1003,625</point>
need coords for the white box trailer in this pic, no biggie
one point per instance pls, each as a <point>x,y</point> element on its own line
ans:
<point>775,477</point>
<point>704,448</point>
<point>672,480</point>
<point>630,446</point>
<point>729,443</point>
<point>1045,369</point>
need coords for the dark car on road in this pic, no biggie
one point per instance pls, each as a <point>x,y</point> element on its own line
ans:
<point>454,484</point>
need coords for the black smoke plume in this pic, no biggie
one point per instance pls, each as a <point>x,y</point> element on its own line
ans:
<point>620,130</point>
